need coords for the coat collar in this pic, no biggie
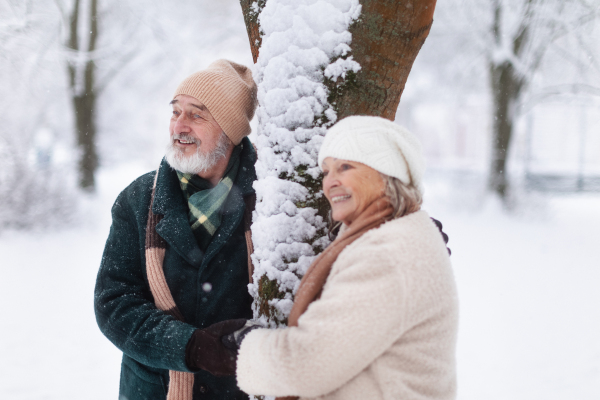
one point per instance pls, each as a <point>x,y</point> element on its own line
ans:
<point>169,200</point>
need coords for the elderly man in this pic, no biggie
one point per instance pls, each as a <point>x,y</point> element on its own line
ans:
<point>176,258</point>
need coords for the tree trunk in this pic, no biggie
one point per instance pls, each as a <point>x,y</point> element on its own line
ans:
<point>252,25</point>
<point>505,92</point>
<point>84,107</point>
<point>82,83</point>
<point>385,42</point>
<point>506,86</point>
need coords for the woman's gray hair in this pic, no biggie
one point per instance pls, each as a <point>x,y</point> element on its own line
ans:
<point>405,199</point>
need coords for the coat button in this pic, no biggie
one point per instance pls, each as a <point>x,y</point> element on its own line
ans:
<point>203,389</point>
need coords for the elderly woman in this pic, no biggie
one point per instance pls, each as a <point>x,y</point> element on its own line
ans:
<point>375,316</point>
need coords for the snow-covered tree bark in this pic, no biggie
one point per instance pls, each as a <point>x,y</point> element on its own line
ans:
<point>316,62</point>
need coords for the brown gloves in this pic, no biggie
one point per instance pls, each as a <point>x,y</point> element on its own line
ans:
<point>233,341</point>
<point>206,351</point>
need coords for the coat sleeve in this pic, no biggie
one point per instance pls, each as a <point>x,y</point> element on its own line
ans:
<point>124,305</point>
<point>363,310</point>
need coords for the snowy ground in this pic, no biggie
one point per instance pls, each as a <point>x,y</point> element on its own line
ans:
<point>528,285</point>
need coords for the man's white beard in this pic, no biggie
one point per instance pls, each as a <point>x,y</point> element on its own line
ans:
<point>199,161</point>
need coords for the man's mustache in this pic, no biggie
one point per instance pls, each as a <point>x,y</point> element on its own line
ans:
<point>185,138</point>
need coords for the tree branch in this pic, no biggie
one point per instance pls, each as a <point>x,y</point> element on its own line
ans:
<point>73,43</point>
<point>496,25</point>
<point>523,31</point>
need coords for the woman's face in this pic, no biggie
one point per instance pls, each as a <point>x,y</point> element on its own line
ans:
<point>350,188</point>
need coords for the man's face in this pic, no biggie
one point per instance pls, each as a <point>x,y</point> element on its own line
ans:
<point>192,127</point>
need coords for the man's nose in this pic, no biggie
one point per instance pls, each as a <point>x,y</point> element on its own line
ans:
<point>182,124</point>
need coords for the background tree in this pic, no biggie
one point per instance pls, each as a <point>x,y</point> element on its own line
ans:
<point>34,192</point>
<point>513,51</point>
<point>135,64</point>
<point>310,73</point>
<point>81,23</point>
<point>82,38</point>
<point>521,34</point>
<point>108,39</point>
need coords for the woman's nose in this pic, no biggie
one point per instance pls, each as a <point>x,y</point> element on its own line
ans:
<point>329,181</point>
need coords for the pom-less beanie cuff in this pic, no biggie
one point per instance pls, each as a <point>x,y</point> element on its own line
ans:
<point>377,143</point>
<point>228,92</point>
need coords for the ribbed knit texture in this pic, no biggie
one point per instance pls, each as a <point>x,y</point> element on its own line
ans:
<point>377,143</point>
<point>181,384</point>
<point>228,90</point>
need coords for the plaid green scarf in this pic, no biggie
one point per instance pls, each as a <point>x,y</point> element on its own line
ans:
<point>205,203</point>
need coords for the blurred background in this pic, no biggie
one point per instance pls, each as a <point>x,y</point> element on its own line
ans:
<point>525,262</point>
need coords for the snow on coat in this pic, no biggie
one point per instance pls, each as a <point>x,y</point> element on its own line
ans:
<point>384,328</point>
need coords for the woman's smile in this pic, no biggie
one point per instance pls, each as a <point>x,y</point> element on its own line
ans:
<point>337,199</point>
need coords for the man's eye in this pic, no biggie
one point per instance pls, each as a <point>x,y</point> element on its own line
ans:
<point>196,116</point>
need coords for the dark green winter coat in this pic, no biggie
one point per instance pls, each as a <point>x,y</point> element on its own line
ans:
<point>152,342</point>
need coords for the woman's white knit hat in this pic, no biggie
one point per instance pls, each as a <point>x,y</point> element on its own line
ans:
<point>377,143</point>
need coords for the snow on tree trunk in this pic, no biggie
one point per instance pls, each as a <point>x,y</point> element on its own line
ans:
<point>308,77</point>
<point>300,40</point>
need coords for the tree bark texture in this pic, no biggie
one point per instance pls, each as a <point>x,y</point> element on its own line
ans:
<point>252,24</point>
<point>83,97</point>
<point>385,42</point>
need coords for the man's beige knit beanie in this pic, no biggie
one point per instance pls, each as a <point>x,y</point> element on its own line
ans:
<point>229,92</point>
<point>379,144</point>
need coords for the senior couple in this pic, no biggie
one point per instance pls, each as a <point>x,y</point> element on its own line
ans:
<point>375,316</point>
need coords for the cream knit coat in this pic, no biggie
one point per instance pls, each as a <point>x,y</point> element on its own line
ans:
<point>384,327</point>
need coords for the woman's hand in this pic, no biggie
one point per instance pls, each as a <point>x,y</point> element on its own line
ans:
<point>444,236</point>
<point>206,351</point>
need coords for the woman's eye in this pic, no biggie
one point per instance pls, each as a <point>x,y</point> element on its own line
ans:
<point>325,173</point>
<point>345,167</point>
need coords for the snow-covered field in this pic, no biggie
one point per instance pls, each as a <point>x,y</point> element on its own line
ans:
<point>528,285</point>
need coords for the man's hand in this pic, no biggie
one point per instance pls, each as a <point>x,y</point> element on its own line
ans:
<point>233,341</point>
<point>206,351</point>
